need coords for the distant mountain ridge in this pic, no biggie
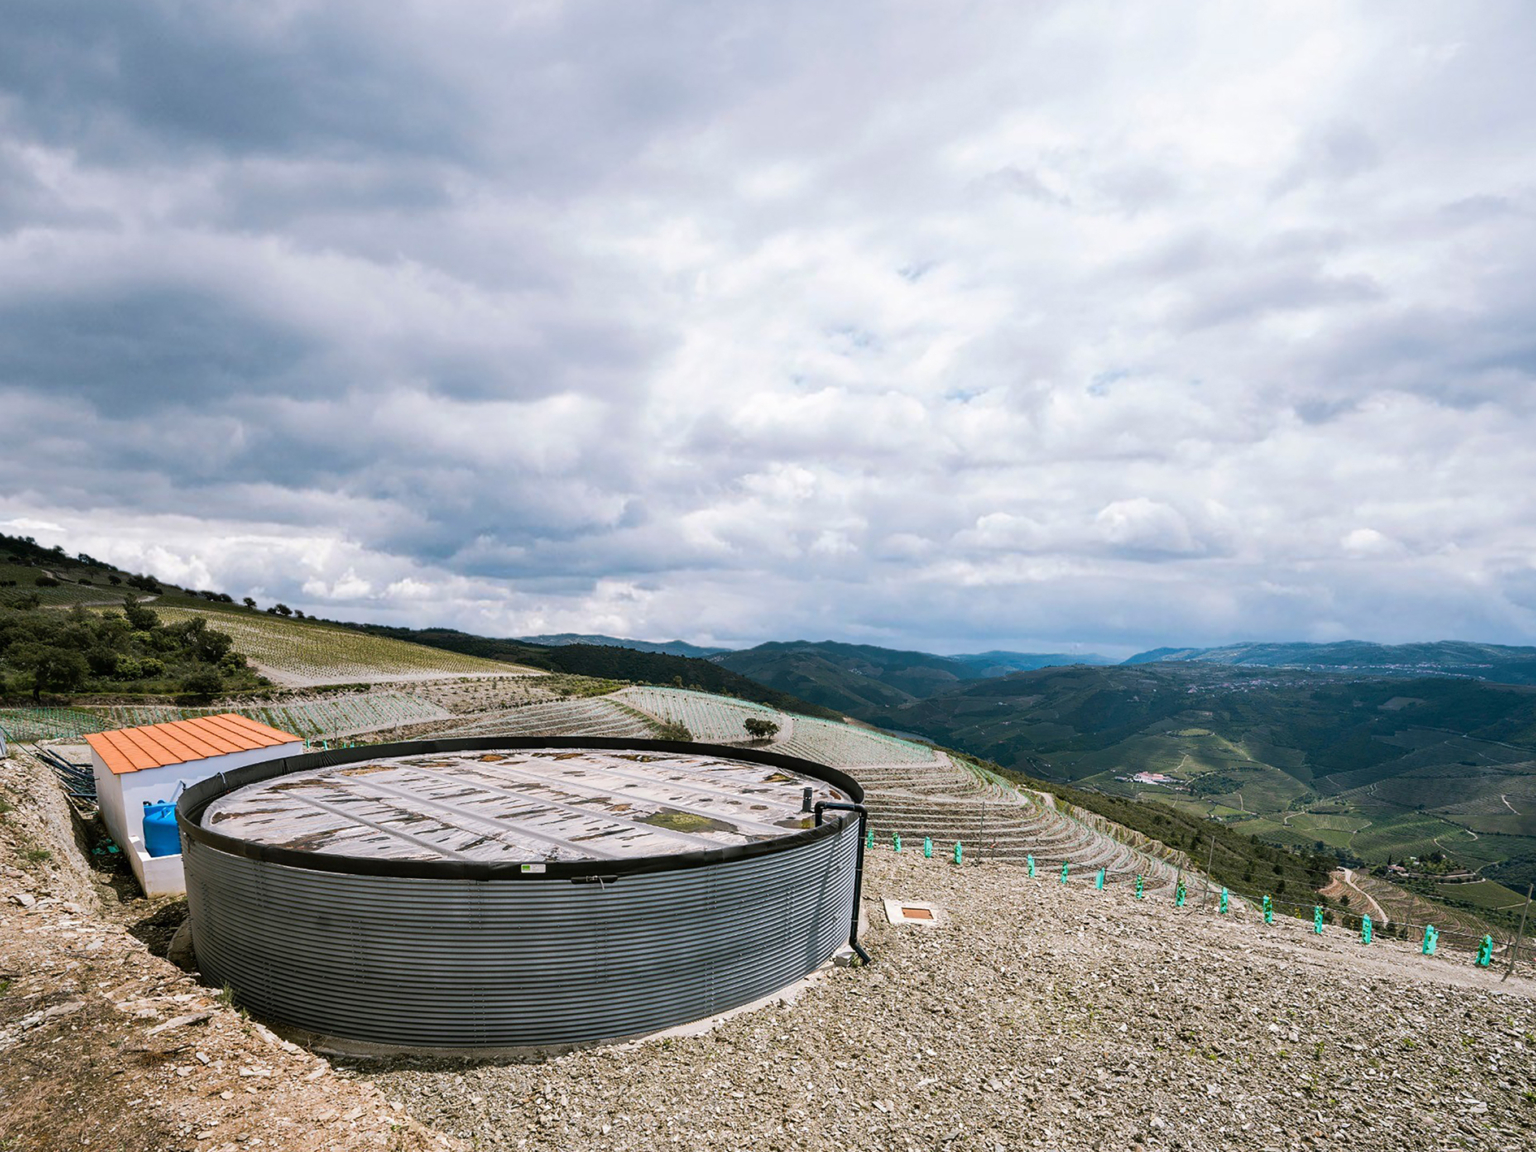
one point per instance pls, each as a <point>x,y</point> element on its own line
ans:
<point>1496,662</point>
<point>1000,663</point>
<point>666,647</point>
<point>856,678</point>
<point>606,661</point>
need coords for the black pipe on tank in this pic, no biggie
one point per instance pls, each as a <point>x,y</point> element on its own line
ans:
<point>858,868</point>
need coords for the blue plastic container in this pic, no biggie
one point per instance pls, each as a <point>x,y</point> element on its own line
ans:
<point>160,835</point>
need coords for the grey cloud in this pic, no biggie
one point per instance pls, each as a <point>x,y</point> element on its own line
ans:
<point>1245,295</point>
<point>1023,182</point>
<point>1474,210</point>
<point>145,349</point>
<point>1331,153</point>
<point>1138,187</point>
<point>115,79</point>
<point>728,323</point>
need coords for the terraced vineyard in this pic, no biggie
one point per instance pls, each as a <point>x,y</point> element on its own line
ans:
<point>1408,908</point>
<point>950,801</point>
<point>844,745</point>
<point>598,716</point>
<point>302,654</point>
<point>915,791</point>
<point>1359,768</point>
<point>709,719</point>
<point>912,789</point>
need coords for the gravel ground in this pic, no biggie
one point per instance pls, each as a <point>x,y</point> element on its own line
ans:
<point>1043,1016</point>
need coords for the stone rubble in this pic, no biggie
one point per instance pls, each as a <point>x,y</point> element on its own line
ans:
<point>1044,1016</point>
<point>1032,1015</point>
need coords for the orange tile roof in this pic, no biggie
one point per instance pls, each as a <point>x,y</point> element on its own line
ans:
<point>181,741</point>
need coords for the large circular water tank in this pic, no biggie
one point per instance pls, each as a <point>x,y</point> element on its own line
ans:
<point>506,893</point>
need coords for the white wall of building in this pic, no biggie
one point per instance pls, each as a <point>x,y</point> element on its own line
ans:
<point>122,796</point>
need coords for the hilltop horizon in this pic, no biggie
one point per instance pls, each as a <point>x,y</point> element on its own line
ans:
<point>1269,650</point>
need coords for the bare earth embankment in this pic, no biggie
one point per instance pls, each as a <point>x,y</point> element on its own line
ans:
<point>104,1045</point>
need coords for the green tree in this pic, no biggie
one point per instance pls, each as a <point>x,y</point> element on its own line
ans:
<point>140,618</point>
<point>53,669</point>
<point>103,661</point>
<point>760,729</point>
<point>203,682</point>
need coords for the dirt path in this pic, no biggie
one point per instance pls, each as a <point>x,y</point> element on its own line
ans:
<point>1507,804</point>
<point>1343,884</point>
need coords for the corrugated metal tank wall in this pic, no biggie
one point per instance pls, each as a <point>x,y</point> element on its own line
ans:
<point>523,961</point>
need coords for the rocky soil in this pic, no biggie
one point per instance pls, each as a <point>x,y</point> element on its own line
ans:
<point>104,1045</point>
<point>1031,1015</point>
<point>1043,1016</point>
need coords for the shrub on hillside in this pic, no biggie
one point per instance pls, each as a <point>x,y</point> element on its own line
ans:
<point>759,728</point>
<point>203,683</point>
<point>54,651</point>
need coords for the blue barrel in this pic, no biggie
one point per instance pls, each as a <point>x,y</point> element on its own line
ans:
<point>160,835</point>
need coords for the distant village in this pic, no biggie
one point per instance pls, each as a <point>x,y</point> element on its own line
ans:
<point>1160,779</point>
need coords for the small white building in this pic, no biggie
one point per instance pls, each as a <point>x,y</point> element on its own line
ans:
<point>153,763</point>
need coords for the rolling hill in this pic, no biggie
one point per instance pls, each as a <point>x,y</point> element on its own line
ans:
<point>1366,767</point>
<point>606,661</point>
<point>855,677</point>
<point>666,647</point>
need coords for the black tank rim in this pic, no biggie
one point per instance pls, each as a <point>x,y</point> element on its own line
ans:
<point>192,802</point>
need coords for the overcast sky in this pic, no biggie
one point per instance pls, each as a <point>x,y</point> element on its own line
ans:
<point>947,325</point>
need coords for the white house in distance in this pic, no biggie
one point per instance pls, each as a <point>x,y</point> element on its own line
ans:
<point>138,765</point>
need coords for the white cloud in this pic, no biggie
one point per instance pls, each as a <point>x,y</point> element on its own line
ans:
<point>1060,322</point>
<point>1367,543</point>
<point>1145,526</point>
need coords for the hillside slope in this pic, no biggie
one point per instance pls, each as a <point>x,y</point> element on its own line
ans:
<point>607,661</point>
<point>1087,1019</point>
<point>1494,662</point>
<point>305,653</point>
<point>1364,767</point>
<point>855,678</point>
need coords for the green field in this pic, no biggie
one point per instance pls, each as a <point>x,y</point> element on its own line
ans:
<point>70,590</point>
<point>301,653</point>
<point>1481,894</point>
